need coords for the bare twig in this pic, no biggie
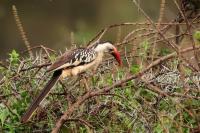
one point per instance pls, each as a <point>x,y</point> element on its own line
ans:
<point>92,93</point>
<point>162,7</point>
<point>182,12</point>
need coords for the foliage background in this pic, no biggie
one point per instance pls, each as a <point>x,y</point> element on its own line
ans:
<point>137,97</point>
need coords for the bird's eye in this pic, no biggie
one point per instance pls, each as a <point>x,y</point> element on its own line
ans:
<point>110,49</point>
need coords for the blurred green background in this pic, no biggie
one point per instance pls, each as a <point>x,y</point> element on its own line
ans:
<point>51,22</point>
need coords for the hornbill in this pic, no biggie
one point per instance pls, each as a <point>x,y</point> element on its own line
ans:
<point>72,63</point>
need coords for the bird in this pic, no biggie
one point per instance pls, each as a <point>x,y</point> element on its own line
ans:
<point>72,63</point>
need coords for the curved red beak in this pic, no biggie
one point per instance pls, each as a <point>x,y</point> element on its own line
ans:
<point>117,56</point>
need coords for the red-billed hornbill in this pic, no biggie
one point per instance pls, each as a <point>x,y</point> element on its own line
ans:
<point>73,63</point>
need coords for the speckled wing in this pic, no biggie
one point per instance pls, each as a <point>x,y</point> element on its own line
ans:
<point>73,58</point>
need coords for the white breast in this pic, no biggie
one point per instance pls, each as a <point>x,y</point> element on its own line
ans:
<point>82,68</point>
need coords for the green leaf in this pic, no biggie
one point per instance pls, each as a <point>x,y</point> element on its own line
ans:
<point>3,115</point>
<point>120,74</point>
<point>197,35</point>
<point>53,58</point>
<point>164,51</point>
<point>110,80</point>
<point>135,69</point>
<point>158,129</point>
<point>14,57</point>
<point>128,92</point>
<point>145,45</point>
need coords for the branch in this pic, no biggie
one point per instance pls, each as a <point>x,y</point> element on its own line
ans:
<point>92,93</point>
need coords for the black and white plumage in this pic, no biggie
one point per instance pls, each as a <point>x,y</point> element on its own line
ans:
<point>73,63</point>
<point>74,58</point>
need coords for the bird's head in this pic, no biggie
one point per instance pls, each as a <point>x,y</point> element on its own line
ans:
<point>107,47</point>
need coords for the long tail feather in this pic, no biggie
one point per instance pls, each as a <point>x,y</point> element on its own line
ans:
<point>41,96</point>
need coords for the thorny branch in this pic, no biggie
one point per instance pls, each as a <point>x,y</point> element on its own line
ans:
<point>92,93</point>
<point>153,32</point>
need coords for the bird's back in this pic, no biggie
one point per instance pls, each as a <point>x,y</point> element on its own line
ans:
<point>73,58</point>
